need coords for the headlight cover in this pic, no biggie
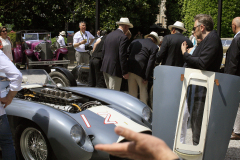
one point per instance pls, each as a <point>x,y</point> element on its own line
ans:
<point>147,114</point>
<point>79,136</point>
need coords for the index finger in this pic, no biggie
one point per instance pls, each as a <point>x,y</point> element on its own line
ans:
<point>128,134</point>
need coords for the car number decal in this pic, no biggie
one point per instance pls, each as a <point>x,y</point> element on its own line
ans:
<point>107,118</point>
<point>85,121</point>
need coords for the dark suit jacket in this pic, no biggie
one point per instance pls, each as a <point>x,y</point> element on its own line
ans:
<point>170,52</point>
<point>208,54</point>
<point>232,63</point>
<point>115,54</point>
<point>142,57</point>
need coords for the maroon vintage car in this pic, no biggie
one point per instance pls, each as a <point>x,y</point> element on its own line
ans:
<point>34,49</point>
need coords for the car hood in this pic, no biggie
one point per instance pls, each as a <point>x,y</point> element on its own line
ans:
<point>111,97</point>
<point>99,122</point>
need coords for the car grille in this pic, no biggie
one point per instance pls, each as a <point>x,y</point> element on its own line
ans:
<point>46,53</point>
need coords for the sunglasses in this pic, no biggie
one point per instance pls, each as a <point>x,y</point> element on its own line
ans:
<point>4,31</point>
<point>194,28</point>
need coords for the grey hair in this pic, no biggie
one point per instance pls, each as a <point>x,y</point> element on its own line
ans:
<point>206,20</point>
<point>82,22</point>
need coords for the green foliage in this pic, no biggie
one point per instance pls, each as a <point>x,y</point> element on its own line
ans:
<point>185,11</point>
<point>53,15</point>
<point>12,36</point>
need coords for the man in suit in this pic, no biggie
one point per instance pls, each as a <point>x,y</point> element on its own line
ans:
<point>142,56</point>
<point>232,66</point>
<point>207,56</point>
<point>170,52</point>
<point>114,65</point>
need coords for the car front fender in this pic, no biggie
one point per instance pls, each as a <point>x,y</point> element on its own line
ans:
<point>55,124</point>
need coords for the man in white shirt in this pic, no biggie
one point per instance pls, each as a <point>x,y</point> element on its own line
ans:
<point>61,40</point>
<point>80,40</point>
<point>15,77</point>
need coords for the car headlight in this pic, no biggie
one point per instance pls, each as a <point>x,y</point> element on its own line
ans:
<point>38,48</point>
<point>77,134</point>
<point>147,114</point>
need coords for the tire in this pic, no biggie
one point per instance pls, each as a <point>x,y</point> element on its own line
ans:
<point>32,144</point>
<point>60,79</point>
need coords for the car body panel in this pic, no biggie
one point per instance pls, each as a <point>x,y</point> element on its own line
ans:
<point>54,127</point>
<point>97,121</point>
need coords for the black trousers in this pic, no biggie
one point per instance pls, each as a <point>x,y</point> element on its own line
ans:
<point>196,100</point>
<point>96,78</point>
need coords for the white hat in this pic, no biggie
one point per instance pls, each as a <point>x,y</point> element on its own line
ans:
<point>155,35</point>
<point>63,33</point>
<point>178,25</point>
<point>125,21</point>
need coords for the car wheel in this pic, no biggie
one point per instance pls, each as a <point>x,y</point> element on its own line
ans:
<point>60,79</point>
<point>32,144</point>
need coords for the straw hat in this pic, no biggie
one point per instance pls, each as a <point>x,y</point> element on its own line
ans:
<point>155,35</point>
<point>178,25</point>
<point>63,33</point>
<point>125,21</point>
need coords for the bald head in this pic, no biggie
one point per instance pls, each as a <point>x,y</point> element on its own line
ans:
<point>236,25</point>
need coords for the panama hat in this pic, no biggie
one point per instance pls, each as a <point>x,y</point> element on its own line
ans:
<point>155,35</point>
<point>63,33</point>
<point>178,25</point>
<point>125,21</point>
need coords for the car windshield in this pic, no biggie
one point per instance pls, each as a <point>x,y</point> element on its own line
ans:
<point>37,36</point>
<point>36,76</point>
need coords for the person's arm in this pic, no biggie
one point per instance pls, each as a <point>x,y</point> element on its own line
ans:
<point>163,50</point>
<point>76,43</point>
<point>232,58</point>
<point>13,74</point>
<point>123,56</point>
<point>151,63</point>
<point>140,146</point>
<point>91,42</point>
<point>208,52</point>
<point>91,37</point>
<point>94,46</point>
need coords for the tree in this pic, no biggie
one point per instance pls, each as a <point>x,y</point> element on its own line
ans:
<point>185,11</point>
<point>52,15</point>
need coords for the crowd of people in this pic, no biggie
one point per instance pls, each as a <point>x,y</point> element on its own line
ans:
<point>114,58</point>
<point>135,62</point>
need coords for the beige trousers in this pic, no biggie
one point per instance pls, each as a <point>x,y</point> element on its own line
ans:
<point>112,82</point>
<point>82,57</point>
<point>135,81</point>
<point>236,127</point>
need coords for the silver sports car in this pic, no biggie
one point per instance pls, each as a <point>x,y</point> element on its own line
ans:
<point>65,123</point>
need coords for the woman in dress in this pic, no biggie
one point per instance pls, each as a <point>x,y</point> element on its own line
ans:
<point>5,43</point>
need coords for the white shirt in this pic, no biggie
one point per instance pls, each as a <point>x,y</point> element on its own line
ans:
<point>12,73</point>
<point>61,41</point>
<point>7,48</point>
<point>79,36</point>
<point>236,34</point>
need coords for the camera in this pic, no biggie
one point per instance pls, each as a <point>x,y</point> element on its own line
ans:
<point>88,47</point>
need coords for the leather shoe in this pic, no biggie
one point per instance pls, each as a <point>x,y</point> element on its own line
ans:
<point>235,136</point>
